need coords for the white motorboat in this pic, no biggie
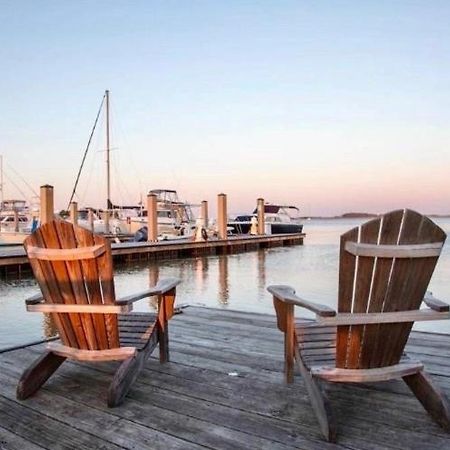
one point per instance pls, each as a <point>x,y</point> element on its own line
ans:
<point>278,219</point>
<point>174,217</point>
<point>16,222</point>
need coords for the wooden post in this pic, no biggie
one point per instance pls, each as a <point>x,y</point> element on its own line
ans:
<point>74,213</point>
<point>152,218</point>
<point>222,215</point>
<point>46,208</point>
<point>16,220</point>
<point>204,213</point>
<point>260,209</point>
<point>91,219</point>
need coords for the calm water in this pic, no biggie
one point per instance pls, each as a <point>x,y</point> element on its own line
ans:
<point>235,281</point>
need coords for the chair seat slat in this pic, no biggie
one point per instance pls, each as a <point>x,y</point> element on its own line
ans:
<point>112,354</point>
<point>337,375</point>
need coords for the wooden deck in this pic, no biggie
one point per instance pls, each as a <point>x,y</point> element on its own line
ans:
<point>223,389</point>
<point>14,258</point>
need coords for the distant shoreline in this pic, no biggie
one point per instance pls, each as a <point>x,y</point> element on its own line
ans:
<point>365,216</point>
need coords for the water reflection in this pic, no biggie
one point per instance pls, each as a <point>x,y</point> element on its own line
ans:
<point>261,267</point>
<point>153,275</point>
<point>153,278</point>
<point>223,291</point>
<point>201,272</point>
<point>49,326</point>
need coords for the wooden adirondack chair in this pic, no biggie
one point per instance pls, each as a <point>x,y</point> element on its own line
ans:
<point>74,270</point>
<point>385,267</point>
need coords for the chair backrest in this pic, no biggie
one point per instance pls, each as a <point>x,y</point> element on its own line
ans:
<point>390,273</point>
<point>74,266</point>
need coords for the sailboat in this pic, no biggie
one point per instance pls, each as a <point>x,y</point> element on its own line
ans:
<point>17,218</point>
<point>175,217</point>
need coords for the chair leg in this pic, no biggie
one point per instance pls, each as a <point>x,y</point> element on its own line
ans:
<point>319,401</point>
<point>124,378</point>
<point>289,344</point>
<point>37,374</point>
<point>128,371</point>
<point>431,397</point>
<point>163,338</point>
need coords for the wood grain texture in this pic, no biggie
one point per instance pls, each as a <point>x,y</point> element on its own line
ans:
<point>193,403</point>
<point>287,294</point>
<point>37,374</point>
<point>45,276</point>
<point>319,401</point>
<point>394,251</point>
<point>362,290</point>
<point>74,270</point>
<point>336,375</point>
<point>79,308</point>
<point>113,354</point>
<point>162,287</point>
<point>410,279</point>
<point>72,254</point>
<point>92,277</point>
<point>347,267</point>
<point>432,398</point>
<point>384,318</point>
<point>385,267</point>
<point>373,339</point>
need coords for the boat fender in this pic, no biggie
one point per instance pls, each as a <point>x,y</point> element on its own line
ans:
<point>141,235</point>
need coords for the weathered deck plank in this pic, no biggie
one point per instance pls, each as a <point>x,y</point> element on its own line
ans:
<point>194,402</point>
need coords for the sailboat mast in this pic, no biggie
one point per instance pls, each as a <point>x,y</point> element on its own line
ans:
<point>1,180</point>
<point>108,174</point>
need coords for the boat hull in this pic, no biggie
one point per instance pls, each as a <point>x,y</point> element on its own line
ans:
<point>270,228</point>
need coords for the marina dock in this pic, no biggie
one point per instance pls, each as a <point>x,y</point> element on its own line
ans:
<point>14,259</point>
<point>223,389</point>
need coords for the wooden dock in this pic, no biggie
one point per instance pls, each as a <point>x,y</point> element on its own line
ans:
<point>14,258</point>
<point>223,389</point>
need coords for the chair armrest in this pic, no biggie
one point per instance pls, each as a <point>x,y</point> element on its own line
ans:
<point>34,299</point>
<point>161,288</point>
<point>287,294</point>
<point>434,303</point>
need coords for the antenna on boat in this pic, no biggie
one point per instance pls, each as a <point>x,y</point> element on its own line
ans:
<point>108,175</point>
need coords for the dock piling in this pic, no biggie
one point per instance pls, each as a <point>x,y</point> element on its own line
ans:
<point>260,210</point>
<point>16,220</point>
<point>222,216</point>
<point>74,213</point>
<point>91,219</point>
<point>46,200</point>
<point>152,218</point>
<point>204,213</point>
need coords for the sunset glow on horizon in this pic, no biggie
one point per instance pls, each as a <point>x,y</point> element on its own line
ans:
<point>333,107</point>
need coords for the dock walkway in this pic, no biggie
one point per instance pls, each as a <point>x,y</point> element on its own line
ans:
<point>13,257</point>
<point>223,389</point>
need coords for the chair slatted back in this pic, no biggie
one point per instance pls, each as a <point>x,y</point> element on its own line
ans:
<point>377,284</point>
<point>75,280</point>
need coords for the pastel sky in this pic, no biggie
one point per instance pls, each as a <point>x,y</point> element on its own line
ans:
<point>334,106</point>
